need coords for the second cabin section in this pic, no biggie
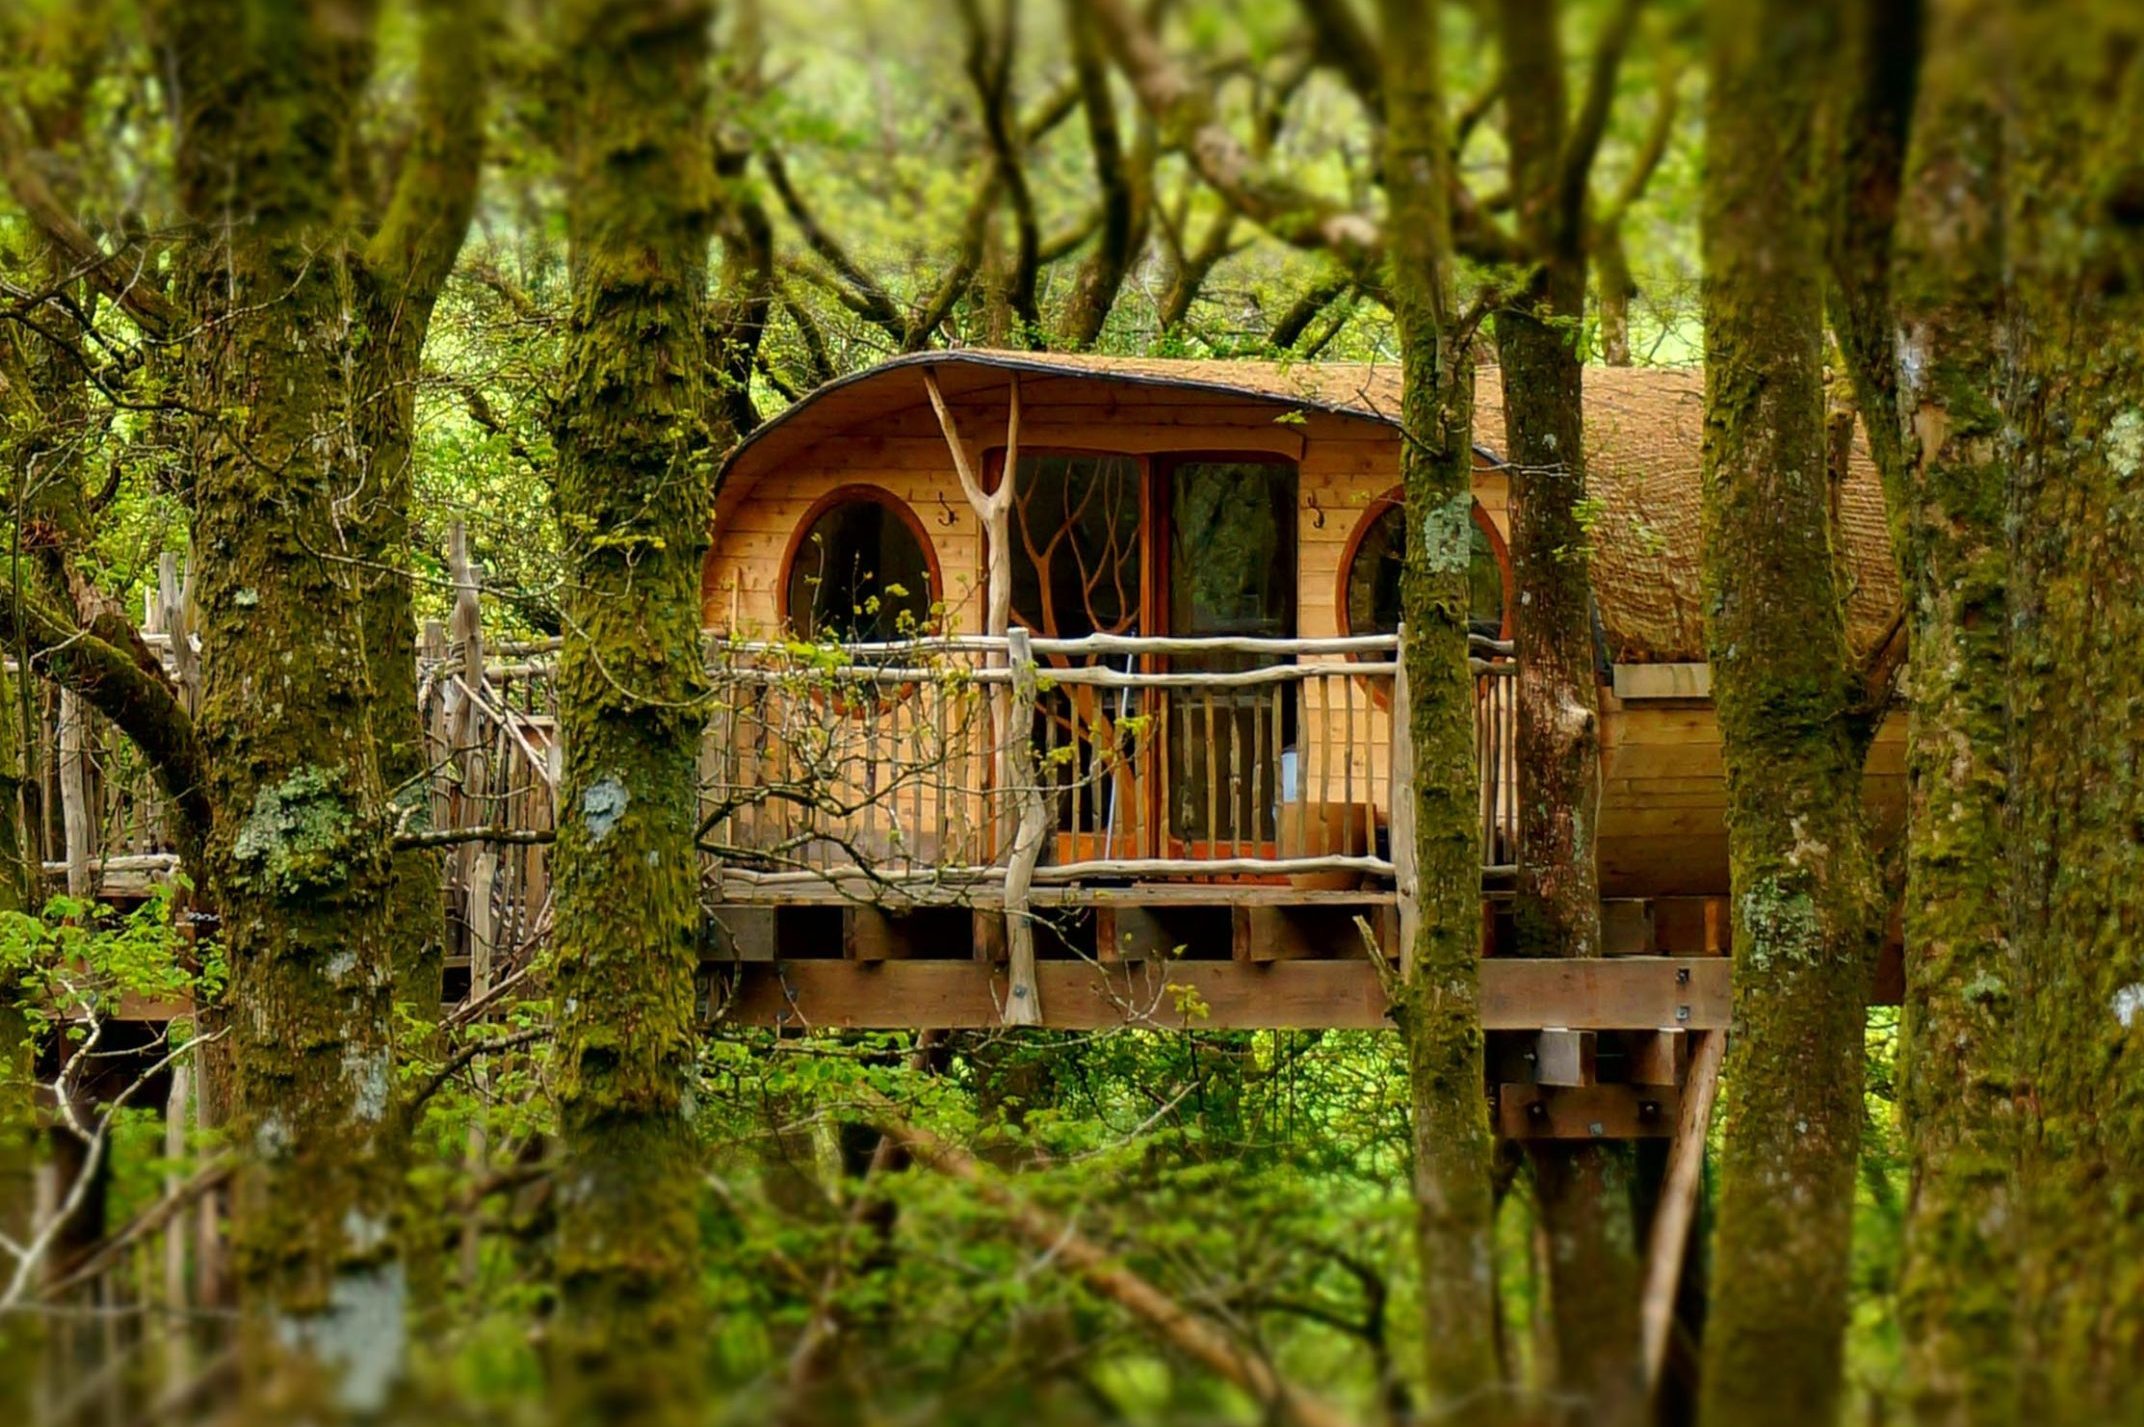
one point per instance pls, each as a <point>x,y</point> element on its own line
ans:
<point>1167,752</point>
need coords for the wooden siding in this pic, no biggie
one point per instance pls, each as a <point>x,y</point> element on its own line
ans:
<point>1662,829</point>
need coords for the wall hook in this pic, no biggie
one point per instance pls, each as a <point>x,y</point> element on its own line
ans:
<point>1317,512</point>
<point>948,519</point>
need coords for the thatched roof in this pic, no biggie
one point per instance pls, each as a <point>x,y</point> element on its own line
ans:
<point>1643,429</point>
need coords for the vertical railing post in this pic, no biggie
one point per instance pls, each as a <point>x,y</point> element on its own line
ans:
<point>75,819</point>
<point>178,1343</point>
<point>1406,885</point>
<point>1023,786</point>
<point>467,635</point>
<point>176,619</point>
<point>475,865</point>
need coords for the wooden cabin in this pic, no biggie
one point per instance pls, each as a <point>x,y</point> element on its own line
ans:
<point>1202,561</point>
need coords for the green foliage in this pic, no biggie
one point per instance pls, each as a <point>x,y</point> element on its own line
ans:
<point>72,962</point>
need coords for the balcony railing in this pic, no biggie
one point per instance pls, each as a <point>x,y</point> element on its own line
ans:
<point>1145,756</point>
<point>932,768</point>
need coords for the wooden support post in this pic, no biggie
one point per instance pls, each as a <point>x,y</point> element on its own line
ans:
<point>1670,1236</point>
<point>1020,794</point>
<point>1023,1001</point>
<point>870,933</point>
<point>741,934</point>
<point>1404,876</point>
<point>208,1217</point>
<point>1281,932</point>
<point>1658,1057</point>
<point>1680,925</point>
<point>1626,927</point>
<point>990,939</point>
<point>467,635</point>
<point>1564,1057</point>
<point>483,933</point>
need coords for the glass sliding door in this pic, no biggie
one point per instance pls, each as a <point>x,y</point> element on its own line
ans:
<point>1231,570</point>
<point>1079,565</point>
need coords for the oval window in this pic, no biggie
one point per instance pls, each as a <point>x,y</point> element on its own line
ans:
<point>859,571</point>
<point>1371,597</point>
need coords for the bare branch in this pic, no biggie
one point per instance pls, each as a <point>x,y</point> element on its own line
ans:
<point>1103,1272</point>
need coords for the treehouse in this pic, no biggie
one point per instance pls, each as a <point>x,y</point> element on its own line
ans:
<point>1061,690</point>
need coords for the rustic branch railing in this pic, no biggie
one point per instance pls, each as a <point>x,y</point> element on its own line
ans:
<point>948,768</point>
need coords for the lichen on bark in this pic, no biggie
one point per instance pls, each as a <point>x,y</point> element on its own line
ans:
<point>296,858</point>
<point>634,500</point>
<point>1947,493</point>
<point>1438,1005</point>
<point>2075,526</point>
<point>1805,894</point>
<point>1582,1190</point>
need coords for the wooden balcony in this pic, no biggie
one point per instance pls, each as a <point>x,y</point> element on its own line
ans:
<point>966,832</point>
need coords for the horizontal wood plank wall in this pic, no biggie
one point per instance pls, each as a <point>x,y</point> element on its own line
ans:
<point>1345,465</point>
<point>1662,825</point>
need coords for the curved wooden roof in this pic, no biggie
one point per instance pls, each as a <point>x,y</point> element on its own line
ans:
<point>1643,433</point>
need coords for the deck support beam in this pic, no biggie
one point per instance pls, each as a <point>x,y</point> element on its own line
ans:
<point>963,994</point>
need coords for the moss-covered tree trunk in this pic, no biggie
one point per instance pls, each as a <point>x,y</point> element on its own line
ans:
<point>395,288</point>
<point>2074,191</point>
<point>1439,1010</point>
<point>296,860</point>
<point>1957,1289</point>
<point>1582,1189</point>
<point>634,500</point>
<point>1805,901</point>
<point>21,1341</point>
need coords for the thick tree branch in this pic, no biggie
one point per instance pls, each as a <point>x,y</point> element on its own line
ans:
<point>1183,1330</point>
<point>141,703</point>
<point>1652,148</point>
<point>1184,110</point>
<point>1582,144</point>
<point>738,316</point>
<point>1293,323</point>
<point>989,68</point>
<point>1123,181</point>
<point>434,196</point>
<point>957,278</point>
<point>1345,43</point>
<point>123,280</point>
<point>1867,168</point>
<point>860,291</point>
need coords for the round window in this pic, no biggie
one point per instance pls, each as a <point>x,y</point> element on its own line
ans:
<point>1371,603</point>
<point>859,571</point>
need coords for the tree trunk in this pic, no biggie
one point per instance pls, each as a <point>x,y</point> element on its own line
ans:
<point>1439,1011</point>
<point>634,502</point>
<point>1958,1281</point>
<point>406,264</point>
<point>1583,1190</point>
<point>2076,258</point>
<point>21,1338</point>
<point>1617,287</point>
<point>1804,886</point>
<point>296,860</point>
